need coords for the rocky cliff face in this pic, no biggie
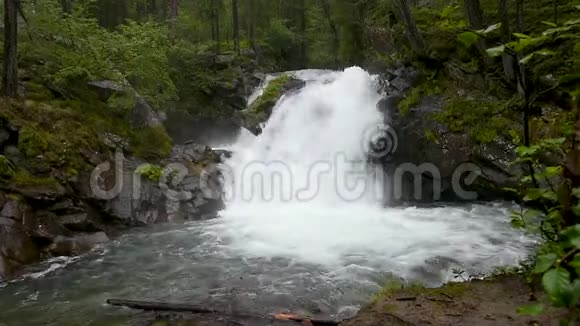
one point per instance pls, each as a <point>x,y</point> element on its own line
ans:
<point>424,140</point>
<point>40,221</point>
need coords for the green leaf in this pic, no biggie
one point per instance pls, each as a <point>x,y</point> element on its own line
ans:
<point>534,309</point>
<point>517,223</point>
<point>572,22</point>
<point>545,262</point>
<point>543,52</point>
<point>572,235</point>
<point>576,210</point>
<point>496,51</point>
<point>468,38</point>
<point>575,263</point>
<point>520,35</point>
<point>446,13</point>
<point>533,194</point>
<point>549,24</point>
<point>491,28</point>
<point>557,284</point>
<point>553,171</point>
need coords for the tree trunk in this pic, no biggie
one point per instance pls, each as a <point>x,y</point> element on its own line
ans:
<point>152,7</point>
<point>302,9</point>
<point>252,24</point>
<point>475,19</point>
<point>236,26</point>
<point>10,76</point>
<point>507,60</point>
<point>172,13</point>
<point>520,15</point>
<point>335,39</point>
<point>66,6</point>
<point>413,34</point>
<point>217,30</point>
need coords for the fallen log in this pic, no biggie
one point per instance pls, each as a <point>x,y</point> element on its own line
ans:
<point>161,306</point>
<point>179,307</point>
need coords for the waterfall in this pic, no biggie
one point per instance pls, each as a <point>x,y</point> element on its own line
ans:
<point>313,149</point>
<point>304,189</point>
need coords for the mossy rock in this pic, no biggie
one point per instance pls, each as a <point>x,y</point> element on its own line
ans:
<point>261,109</point>
<point>152,143</point>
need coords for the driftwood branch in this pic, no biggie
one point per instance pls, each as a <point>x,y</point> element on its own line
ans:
<point>178,307</point>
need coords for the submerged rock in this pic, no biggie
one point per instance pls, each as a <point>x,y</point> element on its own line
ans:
<point>78,244</point>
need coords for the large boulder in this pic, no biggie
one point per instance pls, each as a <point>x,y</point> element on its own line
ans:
<point>148,194</point>
<point>260,110</point>
<point>16,248</point>
<point>142,115</point>
<point>78,244</point>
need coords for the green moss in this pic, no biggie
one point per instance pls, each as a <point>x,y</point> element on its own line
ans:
<point>32,141</point>
<point>431,136</point>
<point>152,143</point>
<point>23,178</point>
<point>410,101</point>
<point>6,168</point>
<point>271,94</point>
<point>150,171</point>
<point>481,119</point>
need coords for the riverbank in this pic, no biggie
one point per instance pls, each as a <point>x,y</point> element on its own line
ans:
<point>494,301</point>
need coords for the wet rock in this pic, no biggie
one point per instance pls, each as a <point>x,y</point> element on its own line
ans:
<point>4,136</point>
<point>79,222</point>
<point>449,153</point>
<point>41,192</point>
<point>13,209</point>
<point>81,243</point>
<point>16,250</point>
<point>7,221</point>
<point>191,152</point>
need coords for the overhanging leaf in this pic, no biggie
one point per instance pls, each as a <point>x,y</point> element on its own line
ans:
<point>543,52</point>
<point>549,24</point>
<point>468,38</point>
<point>572,235</point>
<point>575,263</point>
<point>557,284</point>
<point>545,262</point>
<point>491,28</point>
<point>520,35</point>
<point>496,51</point>
<point>572,22</point>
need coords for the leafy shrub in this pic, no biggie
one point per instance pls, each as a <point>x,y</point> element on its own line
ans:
<point>150,171</point>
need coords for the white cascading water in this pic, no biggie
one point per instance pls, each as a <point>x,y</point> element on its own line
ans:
<point>315,140</point>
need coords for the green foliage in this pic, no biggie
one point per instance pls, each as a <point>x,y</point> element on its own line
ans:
<point>79,51</point>
<point>6,168</point>
<point>272,93</point>
<point>410,101</point>
<point>152,143</point>
<point>23,178</point>
<point>481,119</point>
<point>150,171</point>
